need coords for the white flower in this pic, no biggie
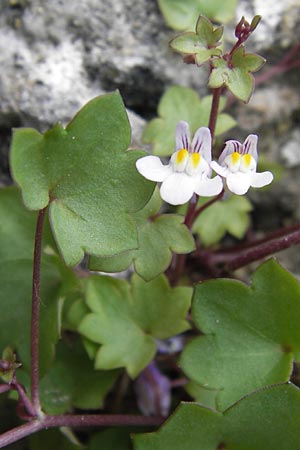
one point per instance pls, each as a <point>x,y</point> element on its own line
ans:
<point>188,170</point>
<point>237,164</point>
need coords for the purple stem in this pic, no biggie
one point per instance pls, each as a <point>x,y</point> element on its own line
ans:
<point>214,111</point>
<point>34,348</point>
<point>232,259</point>
<point>76,421</point>
<point>5,388</point>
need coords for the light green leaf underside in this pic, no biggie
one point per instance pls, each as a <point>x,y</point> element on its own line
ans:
<point>88,176</point>
<point>250,334</point>
<point>180,103</point>
<point>225,216</point>
<point>158,236</point>
<point>182,15</point>
<point>268,419</point>
<point>125,319</point>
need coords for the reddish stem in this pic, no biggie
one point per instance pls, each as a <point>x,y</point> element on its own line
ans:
<point>76,421</point>
<point>34,348</point>
<point>234,258</point>
<point>214,111</point>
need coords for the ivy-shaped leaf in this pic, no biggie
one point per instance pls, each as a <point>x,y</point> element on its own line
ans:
<point>72,381</point>
<point>87,176</point>
<point>250,334</point>
<point>236,73</point>
<point>226,216</point>
<point>125,319</point>
<point>158,236</point>
<point>16,252</point>
<point>268,419</point>
<point>201,44</point>
<point>182,15</point>
<point>180,103</point>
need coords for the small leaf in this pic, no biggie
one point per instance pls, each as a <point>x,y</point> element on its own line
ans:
<point>267,419</point>
<point>87,175</point>
<point>225,216</point>
<point>125,319</point>
<point>158,237</point>
<point>236,73</point>
<point>200,44</point>
<point>180,103</point>
<point>250,334</point>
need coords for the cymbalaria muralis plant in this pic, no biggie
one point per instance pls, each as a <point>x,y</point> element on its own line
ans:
<point>175,335</point>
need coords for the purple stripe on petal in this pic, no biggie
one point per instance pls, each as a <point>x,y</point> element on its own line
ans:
<point>182,135</point>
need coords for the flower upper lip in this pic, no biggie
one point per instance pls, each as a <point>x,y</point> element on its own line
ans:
<point>188,171</point>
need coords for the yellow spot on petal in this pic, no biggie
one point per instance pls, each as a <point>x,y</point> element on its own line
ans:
<point>181,155</point>
<point>195,158</point>
<point>235,157</point>
<point>247,159</point>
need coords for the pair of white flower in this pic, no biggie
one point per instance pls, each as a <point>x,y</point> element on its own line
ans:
<point>190,167</point>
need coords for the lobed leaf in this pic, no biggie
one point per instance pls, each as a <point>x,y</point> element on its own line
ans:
<point>226,216</point>
<point>236,73</point>
<point>250,334</point>
<point>158,236</point>
<point>125,319</point>
<point>267,419</point>
<point>87,177</point>
<point>201,44</point>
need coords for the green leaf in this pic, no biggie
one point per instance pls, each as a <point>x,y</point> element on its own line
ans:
<point>125,319</point>
<point>201,44</point>
<point>180,103</point>
<point>236,73</point>
<point>225,216</point>
<point>182,15</point>
<point>206,397</point>
<point>250,334</point>
<point>87,175</point>
<point>72,381</point>
<point>268,419</point>
<point>16,252</point>
<point>158,235</point>
<point>111,439</point>
<point>50,439</point>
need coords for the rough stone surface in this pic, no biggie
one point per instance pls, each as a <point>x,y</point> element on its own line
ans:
<point>56,55</point>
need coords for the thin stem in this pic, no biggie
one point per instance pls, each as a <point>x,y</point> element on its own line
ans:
<point>232,259</point>
<point>18,433</point>
<point>77,421</point>
<point>26,403</point>
<point>214,111</point>
<point>198,211</point>
<point>5,388</point>
<point>36,312</point>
